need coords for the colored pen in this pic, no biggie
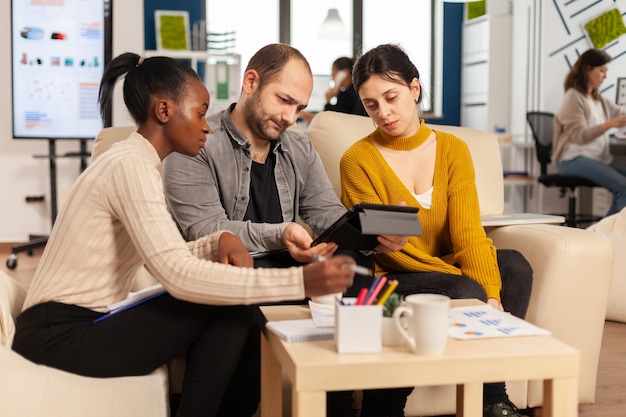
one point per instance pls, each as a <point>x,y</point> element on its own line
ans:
<point>371,289</point>
<point>358,269</point>
<point>376,291</point>
<point>390,289</point>
<point>361,297</point>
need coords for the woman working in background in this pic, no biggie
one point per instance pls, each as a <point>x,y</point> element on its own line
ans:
<point>581,142</point>
<point>341,97</point>
<point>403,160</point>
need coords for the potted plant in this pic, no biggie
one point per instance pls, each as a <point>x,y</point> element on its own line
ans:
<point>394,301</point>
<point>391,334</point>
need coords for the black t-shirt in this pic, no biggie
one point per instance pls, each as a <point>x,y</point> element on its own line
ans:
<point>264,203</point>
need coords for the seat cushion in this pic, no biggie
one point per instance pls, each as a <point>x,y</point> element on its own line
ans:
<point>35,390</point>
<point>568,181</point>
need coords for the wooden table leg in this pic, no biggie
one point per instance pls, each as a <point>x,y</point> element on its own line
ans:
<point>308,403</point>
<point>469,400</point>
<point>271,382</point>
<point>560,397</point>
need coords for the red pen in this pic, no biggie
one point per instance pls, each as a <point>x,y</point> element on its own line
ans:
<point>361,298</point>
<point>376,291</point>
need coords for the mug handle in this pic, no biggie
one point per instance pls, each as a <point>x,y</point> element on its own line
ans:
<point>398,315</point>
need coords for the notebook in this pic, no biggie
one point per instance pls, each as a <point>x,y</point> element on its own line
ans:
<point>300,330</point>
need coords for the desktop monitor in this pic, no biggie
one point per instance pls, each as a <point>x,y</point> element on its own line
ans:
<point>59,49</point>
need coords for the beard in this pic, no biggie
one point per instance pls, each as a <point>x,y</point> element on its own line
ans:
<point>261,124</point>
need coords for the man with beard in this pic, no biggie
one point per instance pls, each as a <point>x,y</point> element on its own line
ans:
<point>256,178</point>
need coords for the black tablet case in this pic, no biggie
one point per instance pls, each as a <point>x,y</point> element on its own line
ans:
<point>358,228</point>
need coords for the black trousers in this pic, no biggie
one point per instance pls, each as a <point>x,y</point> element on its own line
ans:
<point>221,343</point>
<point>516,274</point>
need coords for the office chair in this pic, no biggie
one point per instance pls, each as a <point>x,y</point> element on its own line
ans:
<point>542,127</point>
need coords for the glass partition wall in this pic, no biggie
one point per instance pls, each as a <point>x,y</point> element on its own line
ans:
<point>415,25</point>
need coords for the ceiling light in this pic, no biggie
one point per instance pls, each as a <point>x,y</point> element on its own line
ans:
<point>333,27</point>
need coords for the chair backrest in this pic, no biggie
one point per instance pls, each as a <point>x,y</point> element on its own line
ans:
<point>107,137</point>
<point>332,133</point>
<point>542,127</point>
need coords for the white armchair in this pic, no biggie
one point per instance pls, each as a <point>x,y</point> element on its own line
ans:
<point>572,267</point>
<point>28,389</point>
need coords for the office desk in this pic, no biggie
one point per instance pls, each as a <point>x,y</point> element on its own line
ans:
<point>617,146</point>
<point>315,367</point>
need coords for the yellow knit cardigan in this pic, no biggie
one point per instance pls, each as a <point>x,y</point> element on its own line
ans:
<point>453,240</point>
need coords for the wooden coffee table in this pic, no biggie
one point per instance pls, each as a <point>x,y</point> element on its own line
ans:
<point>315,367</point>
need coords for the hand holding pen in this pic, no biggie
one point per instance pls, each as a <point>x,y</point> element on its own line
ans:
<point>333,275</point>
<point>358,269</point>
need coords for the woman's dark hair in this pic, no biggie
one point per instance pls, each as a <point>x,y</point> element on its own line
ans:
<point>389,62</point>
<point>270,60</point>
<point>144,78</point>
<point>344,64</point>
<point>577,77</point>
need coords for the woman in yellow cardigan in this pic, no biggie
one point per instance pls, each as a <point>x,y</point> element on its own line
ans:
<point>403,160</point>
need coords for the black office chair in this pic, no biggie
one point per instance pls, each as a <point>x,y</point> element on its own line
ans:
<point>542,127</point>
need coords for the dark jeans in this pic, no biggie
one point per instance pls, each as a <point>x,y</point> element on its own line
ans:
<point>516,274</point>
<point>221,343</point>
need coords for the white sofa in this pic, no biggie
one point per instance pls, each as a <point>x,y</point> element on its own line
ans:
<point>28,389</point>
<point>614,228</point>
<point>572,267</point>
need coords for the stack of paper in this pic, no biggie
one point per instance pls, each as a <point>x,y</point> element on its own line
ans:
<point>300,330</point>
<point>484,321</point>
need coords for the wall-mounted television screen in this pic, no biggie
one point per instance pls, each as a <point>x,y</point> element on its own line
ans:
<point>59,50</point>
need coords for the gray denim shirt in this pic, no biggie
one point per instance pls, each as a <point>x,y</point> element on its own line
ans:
<point>210,192</point>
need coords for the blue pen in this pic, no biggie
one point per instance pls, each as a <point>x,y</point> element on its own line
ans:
<point>371,290</point>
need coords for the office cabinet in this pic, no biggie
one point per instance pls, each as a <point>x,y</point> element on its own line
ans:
<point>486,72</point>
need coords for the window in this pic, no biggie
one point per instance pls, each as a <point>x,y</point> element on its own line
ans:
<point>409,24</point>
<point>415,25</point>
<point>306,20</point>
<point>255,24</point>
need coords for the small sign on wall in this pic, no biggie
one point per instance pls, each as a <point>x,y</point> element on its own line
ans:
<point>172,30</point>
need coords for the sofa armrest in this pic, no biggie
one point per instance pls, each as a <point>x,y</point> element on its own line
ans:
<point>572,273</point>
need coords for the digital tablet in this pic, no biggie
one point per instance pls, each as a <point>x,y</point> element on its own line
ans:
<point>358,228</point>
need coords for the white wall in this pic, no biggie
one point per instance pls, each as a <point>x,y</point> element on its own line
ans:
<point>548,37</point>
<point>22,175</point>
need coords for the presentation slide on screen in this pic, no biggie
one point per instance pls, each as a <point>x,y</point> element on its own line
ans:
<point>58,60</point>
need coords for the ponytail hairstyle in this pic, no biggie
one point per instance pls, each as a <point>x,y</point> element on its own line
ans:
<point>577,77</point>
<point>144,78</point>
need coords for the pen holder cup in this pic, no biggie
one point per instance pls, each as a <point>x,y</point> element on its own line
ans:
<point>358,328</point>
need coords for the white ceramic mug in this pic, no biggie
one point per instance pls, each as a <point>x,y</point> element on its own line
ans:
<point>423,322</point>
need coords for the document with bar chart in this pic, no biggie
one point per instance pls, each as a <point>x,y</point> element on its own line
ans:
<point>484,321</point>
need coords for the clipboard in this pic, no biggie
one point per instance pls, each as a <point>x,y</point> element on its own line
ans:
<point>358,228</point>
